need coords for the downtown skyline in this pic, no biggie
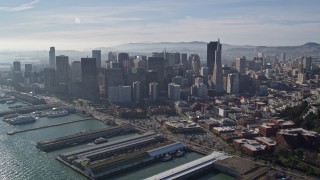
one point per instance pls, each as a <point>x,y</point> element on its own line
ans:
<point>38,24</point>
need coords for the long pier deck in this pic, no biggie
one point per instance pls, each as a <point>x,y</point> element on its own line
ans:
<point>82,137</point>
<point>47,126</point>
<point>28,109</point>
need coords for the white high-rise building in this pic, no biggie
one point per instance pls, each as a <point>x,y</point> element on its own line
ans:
<point>173,91</point>
<point>97,54</point>
<point>137,94</point>
<point>204,72</point>
<point>119,94</point>
<point>52,57</point>
<point>153,91</point>
<point>282,57</point>
<point>241,64</point>
<point>301,78</point>
<point>233,83</point>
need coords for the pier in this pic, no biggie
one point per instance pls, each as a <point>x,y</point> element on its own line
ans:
<point>116,157</point>
<point>82,137</point>
<point>191,169</point>
<point>47,126</point>
<point>28,109</point>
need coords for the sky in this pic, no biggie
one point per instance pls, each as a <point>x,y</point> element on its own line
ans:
<point>88,24</point>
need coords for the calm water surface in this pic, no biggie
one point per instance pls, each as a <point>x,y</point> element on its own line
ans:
<point>21,160</point>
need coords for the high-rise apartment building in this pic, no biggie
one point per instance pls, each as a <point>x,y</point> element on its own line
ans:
<point>241,64</point>
<point>233,83</point>
<point>153,91</point>
<point>137,91</point>
<point>119,94</point>
<point>196,64</point>
<point>173,91</point>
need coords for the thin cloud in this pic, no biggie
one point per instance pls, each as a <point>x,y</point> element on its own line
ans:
<point>20,7</point>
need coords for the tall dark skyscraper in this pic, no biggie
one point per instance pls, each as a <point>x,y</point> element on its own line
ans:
<point>49,79</point>
<point>217,77</point>
<point>52,57</point>
<point>97,54</point>
<point>62,74</point>
<point>89,78</point>
<point>16,66</point>
<point>211,56</point>
<point>157,64</point>
<point>27,70</point>
<point>123,60</point>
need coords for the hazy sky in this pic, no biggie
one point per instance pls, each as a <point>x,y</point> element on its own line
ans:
<point>86,24</point>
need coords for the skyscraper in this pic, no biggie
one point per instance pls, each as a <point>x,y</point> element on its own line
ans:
<point>173,91</point>
<point>27,70</point>
<point>49,79</point>
<point>195,59</point>
<point>211,56</point>
<point>119,94</point>
<point>62,74</point>
<point>76,71</point>
<point>217,71</point>
<point>204,73</point>
<point>97,54</point>
<point>52,57</point>
<point>17,74</point>
<point>153,91</point>
<point>113,77</point>
<point>123,60</point>
<point>157,64</point>
<point>89,78</point>
<point>241,64</point>
<point>307,61</point>
<point>137,91</point>
<point>16,66</point>
<point>233,83</point>
<point>282,57</point>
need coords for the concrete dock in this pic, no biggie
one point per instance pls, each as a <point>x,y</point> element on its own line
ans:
<point>47,126</point>
<point>28,109</point>
<point>82,137</point>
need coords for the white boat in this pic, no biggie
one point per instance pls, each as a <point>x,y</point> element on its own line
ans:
<point>22,120</point>
<point>166,158</point>
<point>6,118</point>
<point>179,153</point>
<point>58,114</point>
<point>100,140</point>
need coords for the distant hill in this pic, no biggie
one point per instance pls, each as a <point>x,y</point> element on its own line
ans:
<point>229,52</point>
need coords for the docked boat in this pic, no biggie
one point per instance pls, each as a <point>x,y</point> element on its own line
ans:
<point>179,153</point>
<point>55,114</point>
<point>22,120</point>
<point>166,158</point>
<point>6,118</point>
<point>100,140</point>
<point>15,107</point>
<point>10,102</point>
